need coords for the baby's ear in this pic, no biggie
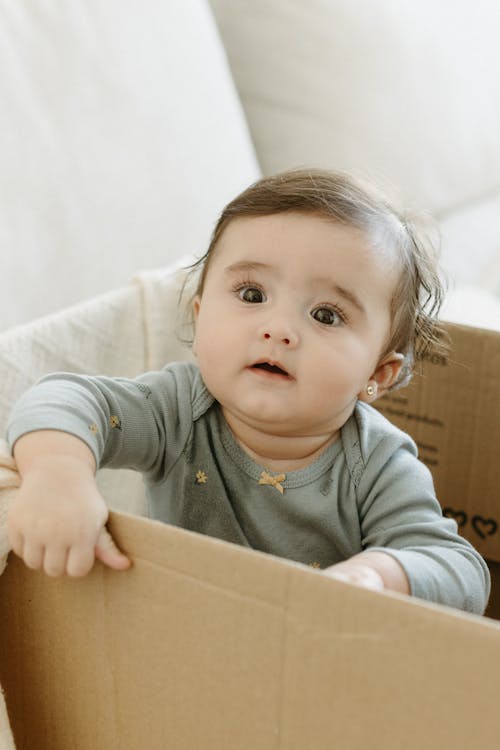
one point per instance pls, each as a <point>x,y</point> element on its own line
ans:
<point>383,378</point>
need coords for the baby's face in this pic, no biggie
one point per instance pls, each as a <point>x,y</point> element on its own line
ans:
<point>292,322</point>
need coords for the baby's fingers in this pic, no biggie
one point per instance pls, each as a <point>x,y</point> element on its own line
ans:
<point>80,560</point>
<point>16,541</point>
<point>54,560</point>
<point>107,552</point>
<point>33,556</point>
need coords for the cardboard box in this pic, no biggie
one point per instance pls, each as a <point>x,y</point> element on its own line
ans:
<point>452,410</point>
<point>203,644</point>
<point>206,645</point>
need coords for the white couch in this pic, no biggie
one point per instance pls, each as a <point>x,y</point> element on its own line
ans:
<point>121,137</point>
<point>125,128</point>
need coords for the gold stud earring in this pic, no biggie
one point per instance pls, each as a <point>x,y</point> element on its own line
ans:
<point>370,390</point>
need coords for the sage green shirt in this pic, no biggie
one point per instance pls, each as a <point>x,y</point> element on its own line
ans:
<point>368,490</point>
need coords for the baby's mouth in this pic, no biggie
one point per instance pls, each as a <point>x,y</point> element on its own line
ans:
<point>271,368</point>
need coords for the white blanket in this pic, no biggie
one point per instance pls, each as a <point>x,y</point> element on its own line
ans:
<point>6,739</point>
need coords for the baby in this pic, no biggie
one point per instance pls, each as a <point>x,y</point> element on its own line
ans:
<point>312,301</point>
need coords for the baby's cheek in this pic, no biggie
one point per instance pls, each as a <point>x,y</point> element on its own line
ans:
<point>332,399</point>
<point>210,360</point>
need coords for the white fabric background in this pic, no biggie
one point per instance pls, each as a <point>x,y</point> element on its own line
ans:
<point>407,91</point>
<point>401,92</point>
<point>121,138</point>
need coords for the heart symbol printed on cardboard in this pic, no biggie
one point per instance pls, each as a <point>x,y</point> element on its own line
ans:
<point>484,526</point>
<point>459,516</point>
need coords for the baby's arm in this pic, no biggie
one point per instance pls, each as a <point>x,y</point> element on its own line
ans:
<point>401,518</point>
<point>57,521</point>
<point>64,427</point>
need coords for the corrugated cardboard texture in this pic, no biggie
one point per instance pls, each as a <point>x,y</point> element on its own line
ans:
<point>206,645</point>
<point>452,410</point>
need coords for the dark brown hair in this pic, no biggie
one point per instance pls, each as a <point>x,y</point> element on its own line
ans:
<point>415,330</point>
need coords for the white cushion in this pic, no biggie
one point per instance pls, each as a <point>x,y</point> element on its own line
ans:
<point>472,306</point>
<point>471,245</point>
<point>395,90</point>
<point>121,138</point>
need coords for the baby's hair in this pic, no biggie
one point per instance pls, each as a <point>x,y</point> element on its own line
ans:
<point>415,330</point>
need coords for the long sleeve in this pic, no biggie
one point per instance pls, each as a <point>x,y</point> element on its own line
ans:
<point>400,515</point>
<point>132,424</point>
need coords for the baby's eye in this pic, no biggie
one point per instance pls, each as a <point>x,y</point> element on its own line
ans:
<point>251,294</point>
<point>327,316</point>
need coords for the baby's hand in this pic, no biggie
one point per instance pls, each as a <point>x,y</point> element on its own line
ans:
<point>358,573</point>
<point>372,569</point>
<point>57,521</point>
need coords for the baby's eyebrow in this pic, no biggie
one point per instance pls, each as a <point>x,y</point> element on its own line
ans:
<point>344,292</point>
<point>246,266</point>
<point>350,296</point>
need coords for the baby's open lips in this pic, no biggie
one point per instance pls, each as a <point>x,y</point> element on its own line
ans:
<point>271,367</point>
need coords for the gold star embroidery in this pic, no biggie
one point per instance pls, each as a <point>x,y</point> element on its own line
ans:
<point>93,428</point>
<point>315,565</point>
<point>114,421</point>
<point>273,479</point>
<point>201,477</point>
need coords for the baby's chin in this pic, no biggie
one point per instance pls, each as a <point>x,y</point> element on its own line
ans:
<point>279,427</point>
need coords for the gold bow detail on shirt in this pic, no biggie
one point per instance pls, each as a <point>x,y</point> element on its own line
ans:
<point>274,481</point>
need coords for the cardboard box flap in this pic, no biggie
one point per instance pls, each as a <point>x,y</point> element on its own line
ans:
<point>203,644</point>
<point>452,410</point>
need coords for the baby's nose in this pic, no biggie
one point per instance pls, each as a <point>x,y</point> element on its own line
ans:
<point>284,340</point>
<point>282,332</point>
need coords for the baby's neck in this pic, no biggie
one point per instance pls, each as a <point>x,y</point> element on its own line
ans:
<point>279,453</point>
